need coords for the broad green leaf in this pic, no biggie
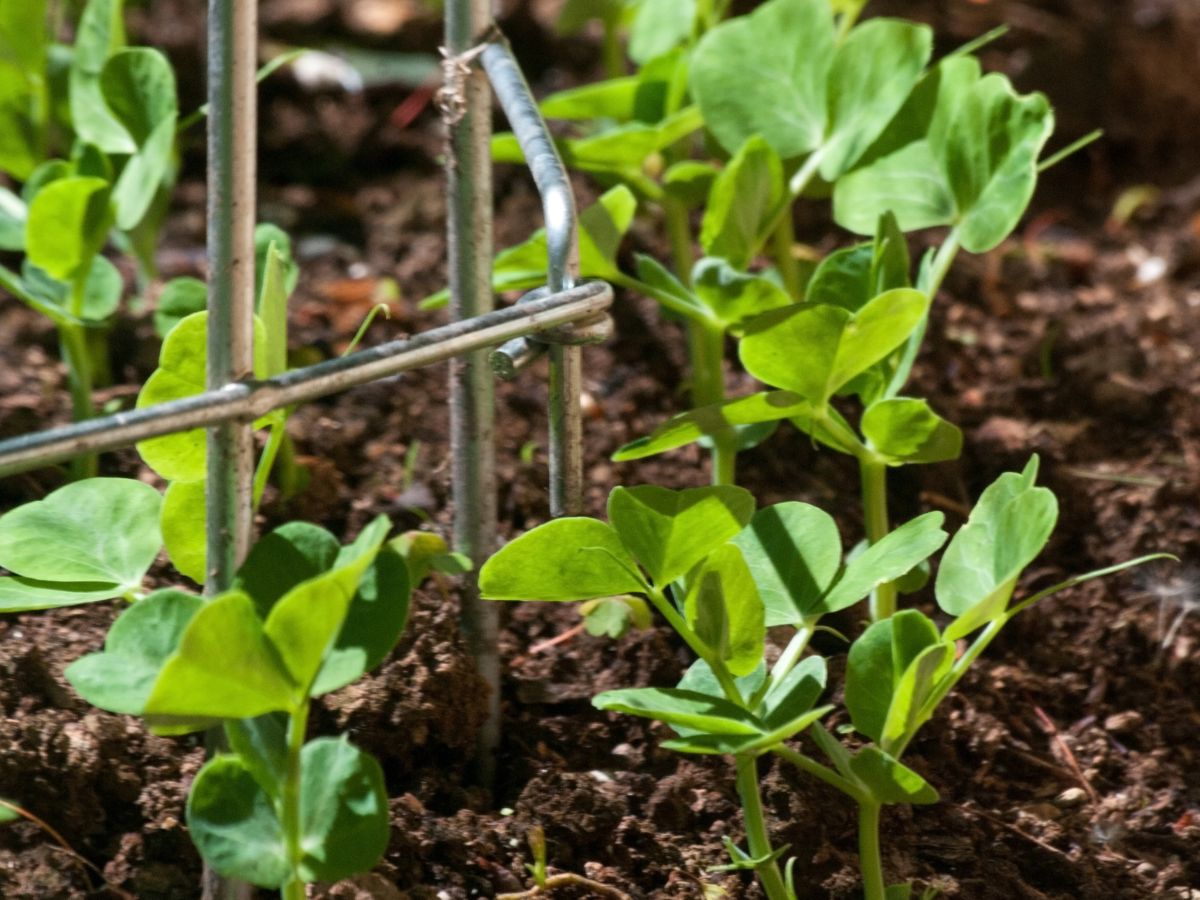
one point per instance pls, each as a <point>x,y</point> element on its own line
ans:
<point>723,608</point>
<point>690,709</point>
<point>376,617</point>
<point>660,283</point>
<point>292,554</point>
<point>766,73</point>
<point>261,745</point>
<point>1006,531</point>
<point>181,373</point>
<point>101,291</point>
<point>564,559</point>
<point>144,175</point>
<point>777,72</point>
<point>100,531</point>
<point>99,35</point>
<point>272,310</point>
<point>343,817</point>
<point>731,296</point>
<point>686,428</point>
<point>886,560</point>
<point>304,623</point>
<point>234,825</point>
<point>23,38</point>
<point>47,173</point>
<point>973,164</point>
<point>668,531</point>
<point>180,298</point>
<point>343,810</point>
<point>689,181</point>
<point>120,678</point>
<point>19,595</point>
<point>601,228</point>
<point>877,662</point>
<point>853,276</point>
<point>889,780</point>
<point>614,616</point>
<point>67,225</point>
<point>906,430</point>
<point>225,668</point>
<point>794,552</point>
<point>743,198</point>
<point>183,536</point>
<point>700,678</point>
<point>913,689</point>
<point>660,26</point>
<point>610,99</point>
<point>266,236</point>
<point>816,350</point>
<point>21,133</point>
<point>138,86</point>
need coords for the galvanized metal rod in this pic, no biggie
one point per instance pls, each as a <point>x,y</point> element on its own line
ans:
<point>249,400</point>
<point>232,181</point>
<point>562,244</point>
<point>472,413</point>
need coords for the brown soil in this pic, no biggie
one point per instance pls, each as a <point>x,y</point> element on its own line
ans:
<point>1067,761</point>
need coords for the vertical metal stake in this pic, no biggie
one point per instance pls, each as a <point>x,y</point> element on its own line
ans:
<point>232,147</point>
<point>469,214</point>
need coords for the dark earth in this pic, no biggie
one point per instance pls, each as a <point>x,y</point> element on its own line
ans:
<point>1068,762</point>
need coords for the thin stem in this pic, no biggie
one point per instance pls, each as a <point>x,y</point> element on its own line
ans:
<point>929,283</point>
<point>787,660</point>
<point>870,863</point>
<point>706,345</point>
<point>875,517</point>
<point>289,801</point>
<point>784,238</point>
<point>266,462</point>
<point>796,187</point>
<point>73,340</point>
<point>680,235</point>
<point>757,839</point>
<point>668,611</point>
<point>814,768</point>
<point>614,58</point>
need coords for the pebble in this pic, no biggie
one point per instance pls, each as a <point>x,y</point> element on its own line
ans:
<point>1073,796</point>
<point>1124,722</point>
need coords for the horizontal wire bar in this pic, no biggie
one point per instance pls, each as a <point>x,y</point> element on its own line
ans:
<point>249,400</point>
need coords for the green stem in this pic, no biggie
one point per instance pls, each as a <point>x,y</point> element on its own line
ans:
<point>706,346</point>
<point>757,839</point>
<point>680,235</point>
<point>796,187</point>
<point>784,238</point>
<point>73,340</point>
<point>814,768</point>
<point>668,611</point>
<point>870,863</point>
<point>275,439</point>
<point>875,516</point>
<point>614,57</point>
<point>787,660</point>
<point>289,801</point>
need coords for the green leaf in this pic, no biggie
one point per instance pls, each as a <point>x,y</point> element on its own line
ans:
<point>794,552</point>
<point>832,344</point>
<point>686,428</point>
<point>272,309</point>
<point>877,663</point>
<point>909,709</point>
<point>887,559</point>
<point>690,709</point>
<point>261,745</point>
<point>181,373</point>
<point>101,291</point>
<point>343,811</point>
<point>609,99</point>
<point>23,35</point>
<point>657,281</point>
<point>906,430</point>
<point>233,823</point>
<point>601,228</point>
<point>67,225</point>
<point>183,535</point>
<point>565,559</point>
<point>851,277</point>
<point>100,34</point>
<point>29,594</point>
<point>376,618</point>
<point>292,554</point>
<point>722,606</point>
<point>889,780</point>
<point>660,26</point>
<point>138,86</point>
<point>743,199</point>
<point>305,621</point>
<point>668,531</point>
<point>143,638</point>
<point>778,72</point>
<point>13,212</point>
<point>732,297</point>
<point>1006,531</point>
<point>266,236</point>
<point>614,616</point>
<point>792,698</point>
<point>689,181</point>
<point>180,298</point>
<point>964,152</point>
<point>225,668</point>
<point>23,56</point>
<point>144,176</point>
<point>100,530</point>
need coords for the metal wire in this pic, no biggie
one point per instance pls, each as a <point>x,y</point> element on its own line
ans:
<point>249,400</point>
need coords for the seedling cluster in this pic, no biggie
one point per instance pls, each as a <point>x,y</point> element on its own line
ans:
<point>715,154</point>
